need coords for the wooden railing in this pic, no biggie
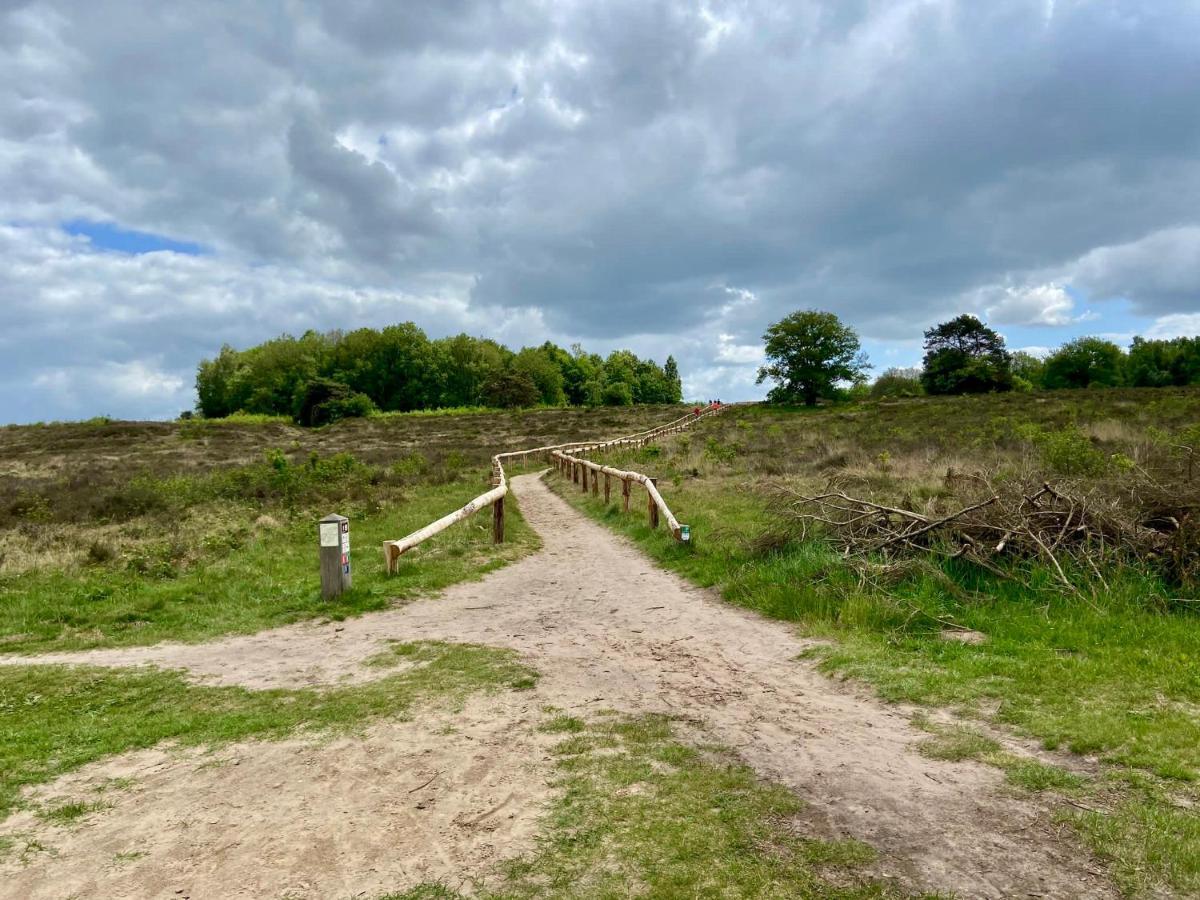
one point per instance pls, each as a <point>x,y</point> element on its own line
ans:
<point>393,550</point>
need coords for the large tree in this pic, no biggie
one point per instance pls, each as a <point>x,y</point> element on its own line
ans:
<point>809,354</point>
<point>964,356</point>
<point>1084,362</point>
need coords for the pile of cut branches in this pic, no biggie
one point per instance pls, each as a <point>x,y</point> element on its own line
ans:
<point>1077,534</point>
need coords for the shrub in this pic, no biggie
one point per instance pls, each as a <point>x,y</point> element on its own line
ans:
<point>618,393</point>
<point>1067,451</point>
<point>325,401</point>
<point>898,383</point>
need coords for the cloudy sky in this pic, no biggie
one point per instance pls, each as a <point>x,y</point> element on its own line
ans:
<point>666,176</point>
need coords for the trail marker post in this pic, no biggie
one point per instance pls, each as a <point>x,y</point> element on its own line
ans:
<point>334,533</point>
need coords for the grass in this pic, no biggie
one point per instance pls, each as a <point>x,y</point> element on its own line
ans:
<point>641,814</point>
<point>270,580</point>
<point>1116,677</point>
<point>71,811</point>
<point>134,532</point>
<point>55,719</point>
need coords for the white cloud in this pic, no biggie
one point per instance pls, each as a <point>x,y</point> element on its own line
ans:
<point>1175,325</point>
<point>1041,304</point>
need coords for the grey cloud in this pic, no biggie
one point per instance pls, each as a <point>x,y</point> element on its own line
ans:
<point>1160,273</point>
<point>893,162</point>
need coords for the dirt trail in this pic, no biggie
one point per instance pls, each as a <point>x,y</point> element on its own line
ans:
<point>608,629</point>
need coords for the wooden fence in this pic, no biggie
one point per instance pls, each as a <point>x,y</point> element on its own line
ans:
<point>563,454</point>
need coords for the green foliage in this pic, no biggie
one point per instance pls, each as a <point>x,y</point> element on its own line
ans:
<point>1084,362</point>
<point>617,393</point>
<point>1161,363</point>
<point>509,388</point>
<point>1027,371</point>
<point>810,353</point>
<point>324,401</point>
<point>897,383</point>
<point>320,378</point>
<point>964,356</point>
<point>1066,451</point>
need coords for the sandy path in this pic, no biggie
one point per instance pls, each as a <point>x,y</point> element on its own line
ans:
<point>608,629</point>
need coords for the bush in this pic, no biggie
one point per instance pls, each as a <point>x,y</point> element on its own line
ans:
<point>898,383</point>
<point>1084,362</point>
<point>1067,451</point>
<point>618,393</point>
<point>325,401</point>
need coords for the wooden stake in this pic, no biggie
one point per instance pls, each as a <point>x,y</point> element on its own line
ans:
<point>595,484</point>
<point>498,521</point>
<point>625,493</point>
<point>607,487</point>
<point>653,507</point>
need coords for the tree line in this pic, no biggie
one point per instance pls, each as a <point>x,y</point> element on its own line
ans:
<point>812,355</point>
<point>319,378</point>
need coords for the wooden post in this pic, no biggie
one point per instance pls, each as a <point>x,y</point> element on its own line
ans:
<point>595,483</point>
<point>334,533</point>
<point>575,473</point>
<point>498,521</point>
<point>653,507</point>
<point>583,476</point>
<point>625,493</point>
<point>607,487</point>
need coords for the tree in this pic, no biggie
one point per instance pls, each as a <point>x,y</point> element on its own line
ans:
<point>808,354</point>
<point>964,356</point>
<point>1027,371</point>
<point>674,382</point>
<point>618,393</point>
<point>1084,362</point>
<point>540,365</point>
<point>325,401</point>
<point>1158,363</point>
<point>898,383</point>
<point>509,388</point>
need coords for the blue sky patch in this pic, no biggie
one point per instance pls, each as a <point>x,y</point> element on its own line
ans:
<point>107,236</point>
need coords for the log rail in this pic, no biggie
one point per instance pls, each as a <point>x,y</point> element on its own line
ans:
<point>565,456</point>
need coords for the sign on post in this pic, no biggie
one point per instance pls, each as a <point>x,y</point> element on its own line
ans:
<point>334,531</point>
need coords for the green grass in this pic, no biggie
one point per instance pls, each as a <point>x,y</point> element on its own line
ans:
<point>640,814</point>
<point>271,580</point>
<point>1117,677</point>
<point>55,719</point>
<point>71,811</point>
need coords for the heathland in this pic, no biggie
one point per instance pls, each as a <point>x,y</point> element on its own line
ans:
<point>1079,641</point>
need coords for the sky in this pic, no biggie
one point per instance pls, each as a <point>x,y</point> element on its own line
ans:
<point>670,177</point>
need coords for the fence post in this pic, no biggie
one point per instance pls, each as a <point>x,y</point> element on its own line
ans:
<point>575,473</point>
<point>607,486</point>
<point>498,521</point>
<point>625,493</point>
<point>583,477</point>
<point>653,507</point>
<point>595,483</point>
<point>334,531</point>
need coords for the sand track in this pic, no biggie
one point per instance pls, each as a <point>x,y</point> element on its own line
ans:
<point>608,629</point>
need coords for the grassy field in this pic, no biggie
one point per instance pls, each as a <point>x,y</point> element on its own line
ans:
<point>118,533</point>
<point>1108,673</point>
<point>131,533</point>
